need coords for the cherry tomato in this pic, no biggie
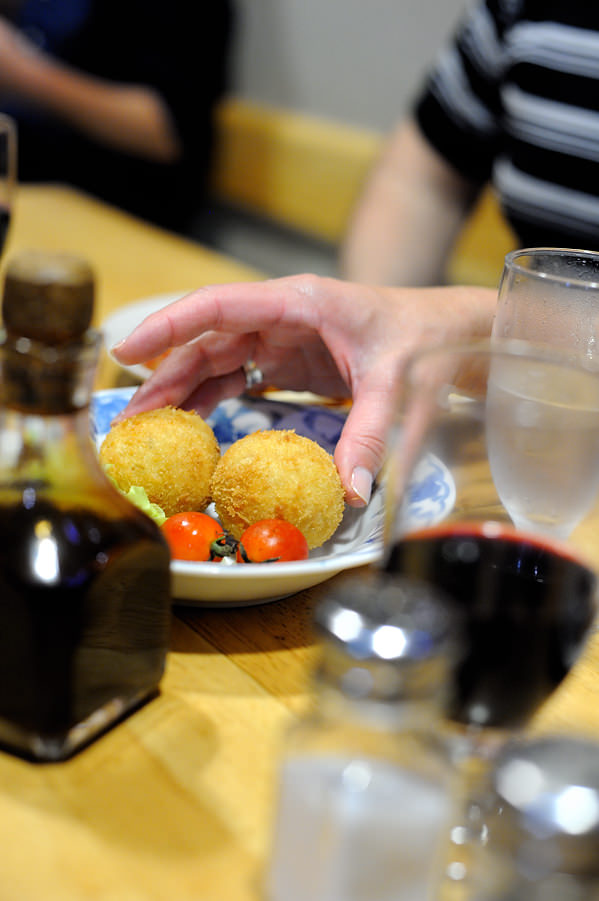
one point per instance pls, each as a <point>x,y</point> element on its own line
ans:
<point>271,540</point>
<point>192,536</point>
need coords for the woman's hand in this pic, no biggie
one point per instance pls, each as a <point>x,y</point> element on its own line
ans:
<point>304,333</point>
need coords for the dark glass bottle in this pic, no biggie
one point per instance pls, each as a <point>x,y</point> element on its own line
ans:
<point>84,575</point>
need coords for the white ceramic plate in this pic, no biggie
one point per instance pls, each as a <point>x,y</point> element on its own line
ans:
<point>356,542</point>
<point>121,323</point>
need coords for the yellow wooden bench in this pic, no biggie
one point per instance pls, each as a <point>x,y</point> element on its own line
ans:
<point>305,173</point>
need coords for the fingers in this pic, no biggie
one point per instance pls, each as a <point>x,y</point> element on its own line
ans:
<point>195,376</point>
<point>236,308</point>
<point>360,451</point>
<point>203,398</point>
<point>210,393</point>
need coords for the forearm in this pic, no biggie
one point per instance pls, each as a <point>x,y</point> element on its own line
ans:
<point>407,220</point>
<point>132,118</point>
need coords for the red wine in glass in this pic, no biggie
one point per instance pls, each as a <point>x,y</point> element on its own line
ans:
<point>526,604</point>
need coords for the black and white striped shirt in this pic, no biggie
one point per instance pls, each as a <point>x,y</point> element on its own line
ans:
<point>514,99</point>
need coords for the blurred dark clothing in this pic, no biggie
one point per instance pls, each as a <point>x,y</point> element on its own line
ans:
<point>139,42</point>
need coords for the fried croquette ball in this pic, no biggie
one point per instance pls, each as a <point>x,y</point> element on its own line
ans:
<point>278,475</point>
<point>170,452</point>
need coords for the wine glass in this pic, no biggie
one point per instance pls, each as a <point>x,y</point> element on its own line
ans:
<point>550,295</point>
<point>8,173</point>
<point>506,427</point>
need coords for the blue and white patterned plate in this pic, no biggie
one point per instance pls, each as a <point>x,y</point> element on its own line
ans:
<point>357,541</point>
<point>431,494</point>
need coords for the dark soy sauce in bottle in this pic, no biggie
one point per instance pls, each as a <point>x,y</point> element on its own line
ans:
<point>84,575</point>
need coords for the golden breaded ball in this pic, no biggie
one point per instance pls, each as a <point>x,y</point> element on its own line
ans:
<point>170,452</point>
<point>278,475</point>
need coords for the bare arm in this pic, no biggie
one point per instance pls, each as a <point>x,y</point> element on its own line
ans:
<point>408,217</point>
<point>133,118</point>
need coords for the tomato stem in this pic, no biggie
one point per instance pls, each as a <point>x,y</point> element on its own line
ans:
<point>223,546</point>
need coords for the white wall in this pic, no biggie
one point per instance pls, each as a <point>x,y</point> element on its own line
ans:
<point>357,61</point>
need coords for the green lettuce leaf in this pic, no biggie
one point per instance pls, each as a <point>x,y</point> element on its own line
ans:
<point>138,496</point>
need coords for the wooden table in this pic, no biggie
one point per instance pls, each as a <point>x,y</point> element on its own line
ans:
<point>175,804</point>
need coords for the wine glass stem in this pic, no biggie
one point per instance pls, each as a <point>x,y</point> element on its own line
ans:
<point>472,754</point>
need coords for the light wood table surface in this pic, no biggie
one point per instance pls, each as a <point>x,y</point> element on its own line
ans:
<point>175,803</point>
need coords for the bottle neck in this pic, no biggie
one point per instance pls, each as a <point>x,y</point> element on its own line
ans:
<point>46,379</point>
<point>45,442</point>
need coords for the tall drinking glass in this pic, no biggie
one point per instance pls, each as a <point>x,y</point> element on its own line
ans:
<point>550,295</point>
<point>491,420</point>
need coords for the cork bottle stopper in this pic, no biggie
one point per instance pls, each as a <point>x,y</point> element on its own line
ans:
<point>48,297</point>
<point>47,308</point>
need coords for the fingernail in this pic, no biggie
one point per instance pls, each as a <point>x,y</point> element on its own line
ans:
<point>361,483</point>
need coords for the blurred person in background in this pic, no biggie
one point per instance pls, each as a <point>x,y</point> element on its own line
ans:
<point>512,100</point>
<point>117,97</point>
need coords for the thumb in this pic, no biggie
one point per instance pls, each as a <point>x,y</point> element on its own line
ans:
<point>360,450</point>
